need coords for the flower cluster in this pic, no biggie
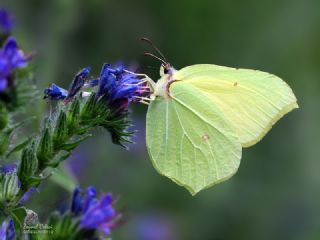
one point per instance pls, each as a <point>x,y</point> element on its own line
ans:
<point>118,86</point>
<point>11,57</point>
<point>7,230</point>
<point>88,103</point>
<point>94,213</point>
<point>6,21</point>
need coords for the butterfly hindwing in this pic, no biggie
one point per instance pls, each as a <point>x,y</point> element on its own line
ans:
<point>189,140</point>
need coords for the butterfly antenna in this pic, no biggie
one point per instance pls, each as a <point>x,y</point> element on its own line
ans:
<point>156,57</point>
<point>155,48</point>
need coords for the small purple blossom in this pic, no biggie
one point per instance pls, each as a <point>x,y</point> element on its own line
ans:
<point>54,92</point>
<point>7,231</point>
<point>6,21</point>
<point>3,230</point>
<point>94,213</point>
<point>11,58</point>
<point>120,87</point>
<point>8,168</point>
<point>77,201</point>
<point>78,82</point>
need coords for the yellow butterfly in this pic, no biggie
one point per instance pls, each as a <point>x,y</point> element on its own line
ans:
<point>201,116</point>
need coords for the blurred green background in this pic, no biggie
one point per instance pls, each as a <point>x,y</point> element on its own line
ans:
<point>276,192</point>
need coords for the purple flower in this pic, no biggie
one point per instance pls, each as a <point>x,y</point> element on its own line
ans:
<point>94,213</point>
<point>54,92</point>
<point>8,168</point>
<point>78,82</point>
<point>77,201</point>
<point>6,21</point>
<point>7,231</point>
<point>11,57</point>
<point>120,87</point>
<point>3,230</point>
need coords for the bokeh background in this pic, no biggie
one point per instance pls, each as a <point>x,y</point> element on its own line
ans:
<point>276,192</point>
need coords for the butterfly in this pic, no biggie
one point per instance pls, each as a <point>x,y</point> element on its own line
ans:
<point>201,116</point>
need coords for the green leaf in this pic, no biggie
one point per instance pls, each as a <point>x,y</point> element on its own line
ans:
<point>72,145</point>
<point>18,215</point>
<point>34,181</point>
<point>87,109</point>
<point>45,148</point>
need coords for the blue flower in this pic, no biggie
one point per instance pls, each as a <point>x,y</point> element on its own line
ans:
<point>55,92</point>
<point>8,168</point>
<point>3,230</point>
<point>77,201</point>
<point>78,82</point>
<point>11,57</point>
<point>120,87</point>
<point>94,213</point>
<point>6,21</point>
<point>7,231</point>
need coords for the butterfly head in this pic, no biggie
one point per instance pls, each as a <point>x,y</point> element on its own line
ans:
<point>161,87</point>
<point>166,69</point>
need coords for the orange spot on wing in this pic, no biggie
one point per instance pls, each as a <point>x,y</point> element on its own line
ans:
<point>205,137</point>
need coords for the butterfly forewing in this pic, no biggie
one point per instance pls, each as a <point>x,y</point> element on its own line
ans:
<point>251,100</point>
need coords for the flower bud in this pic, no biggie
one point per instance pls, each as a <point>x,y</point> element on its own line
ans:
<point>60,132</point>
<point>89,106</point>
<point>45,148</point>
<point>29,163</point>
<point>9,184</point>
